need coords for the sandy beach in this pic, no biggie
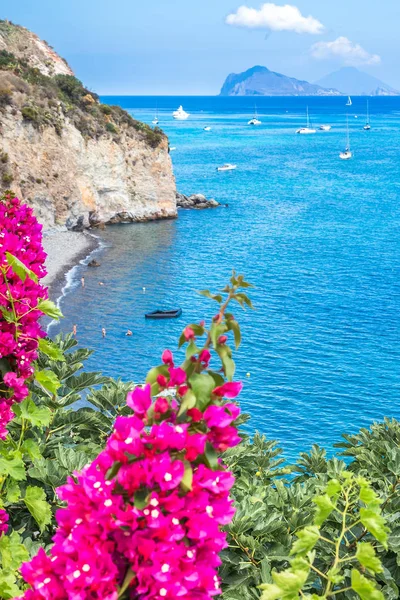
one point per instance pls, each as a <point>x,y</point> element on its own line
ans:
<point>64,250</point>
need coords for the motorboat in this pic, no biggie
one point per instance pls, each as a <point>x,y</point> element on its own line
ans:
<point>308,128</point>
<point>325,127</point>
<point>164,314</point>
<point>207,128</point>
<point>227,167</point>
<point>180,114</point>
<point>346,154</point>
<point>172,148</point>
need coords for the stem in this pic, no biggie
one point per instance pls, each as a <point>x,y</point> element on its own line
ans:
<point>336,562</point>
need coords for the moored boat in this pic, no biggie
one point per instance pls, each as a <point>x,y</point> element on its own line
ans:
<point>308,128</point>
<point>226,167</point>
<point>180,114</point>
<point>164,314</point>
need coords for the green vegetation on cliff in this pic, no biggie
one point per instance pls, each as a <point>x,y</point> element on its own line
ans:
<point>47,101</point>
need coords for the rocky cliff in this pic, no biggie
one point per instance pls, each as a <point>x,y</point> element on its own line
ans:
<point>76,161</point>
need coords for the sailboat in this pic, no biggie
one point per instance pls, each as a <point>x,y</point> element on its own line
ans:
<point>308,128</point>
<point>367,125</point>
<point>155,121</point>
<point>255,120</point>
<point>349,101</point>
<point>346,154</point>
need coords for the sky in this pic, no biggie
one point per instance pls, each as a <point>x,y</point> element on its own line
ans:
<point>188,47</point>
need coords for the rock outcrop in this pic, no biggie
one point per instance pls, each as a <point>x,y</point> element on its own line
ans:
<point>195,201</point>
<point>76,161</point>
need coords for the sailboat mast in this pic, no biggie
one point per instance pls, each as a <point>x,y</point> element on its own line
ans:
<point>367,112</point>
<point>347,133</point>
<point>308,119</point>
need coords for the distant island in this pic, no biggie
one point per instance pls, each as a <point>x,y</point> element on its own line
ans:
<point>260,81</point>
<point>350,80</point>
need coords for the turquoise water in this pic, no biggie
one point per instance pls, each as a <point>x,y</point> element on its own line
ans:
<point>319,238</point>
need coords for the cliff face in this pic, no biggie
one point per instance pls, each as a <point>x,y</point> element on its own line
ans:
<point>76,161</point>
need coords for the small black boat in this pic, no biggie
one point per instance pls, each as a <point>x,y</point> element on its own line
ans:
<point>164,314</point>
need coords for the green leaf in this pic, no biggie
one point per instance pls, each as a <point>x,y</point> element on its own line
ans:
<point>188,401</point>
<point>48,380</point>
<point>333,487</point>
<point>364,587</point>
<point>37,416</point>
<point>36,503</point>
<point>19,268</point>
<point>12,552</point>
<point>291,581</point>
<point>13,492</point>
<point>307,538</point>
<point>191,350</point>
<point>375,523</point>
<point>324,508</point>
<point>225,354</point>
<point>13,465</point>
<point>155,372</point>
<point>187,479</point>
<point>7,315</point>
<point>202,385</point>
<point>51,350</point>
<point>367,557</point>
<point>48,308</point>
<point>207,294</point>
<point>233,325</point>
<point>141,499</point>
<point>211,456</point>
<point>31,448</point>
<point>270,591</point>
<point>216,330</point>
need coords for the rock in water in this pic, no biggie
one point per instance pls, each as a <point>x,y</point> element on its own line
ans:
<point>195,201</point>
<point>75,160</point>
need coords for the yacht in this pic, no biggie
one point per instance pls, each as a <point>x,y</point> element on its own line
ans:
<point>349,101</point>
<point>255,120</point>
<point>367,125</point>
<point>346,154</point>
<point>226,167</point>
<point>207,128</point>
<point>180,114</point>
<point>308,128</point>
<point>325,127</point>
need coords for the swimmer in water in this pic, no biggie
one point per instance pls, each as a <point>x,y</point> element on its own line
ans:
<point>103,332</point>
<point>74,330</point>
<point>129,332</point>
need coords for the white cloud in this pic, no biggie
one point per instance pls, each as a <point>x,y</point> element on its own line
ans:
<point>349,52</point>
<point>275,18</point>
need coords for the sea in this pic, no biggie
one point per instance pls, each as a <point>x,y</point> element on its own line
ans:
<point>318,237</point>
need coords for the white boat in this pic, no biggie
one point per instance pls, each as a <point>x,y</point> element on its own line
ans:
<point>155,121</point>
<point>349,101</point>
<point>346,154</point>
<point>308,129</point>
<point>172,148</point>
<point>367,125</point>
<point>226,167</point>
<point>325,127</point>
<point>180,114</point>
<point>255,120</point>
<point>207,128</point>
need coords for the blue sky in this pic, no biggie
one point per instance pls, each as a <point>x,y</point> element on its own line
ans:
<point>186,46</point>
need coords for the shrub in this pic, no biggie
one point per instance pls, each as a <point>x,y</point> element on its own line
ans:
<point>7,178</point>
<point>106,109</point>
<point>5,97</point>
<point>3,157</point>
<point>111,127</point>
<point>7,60</point>
<point>31,113</point>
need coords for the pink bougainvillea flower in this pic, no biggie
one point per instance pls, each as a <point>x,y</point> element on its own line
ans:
<point>177,377</point>
<point>140,400</point>
<point>3,522</point>
<point>189,334</point>
<point>230,389</point>
<point>167,358</point>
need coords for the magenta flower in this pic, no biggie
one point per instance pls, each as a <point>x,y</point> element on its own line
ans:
<point>3,522</point>
<point>167,358</point>
<point>139,400</point>
<point>230,389</point>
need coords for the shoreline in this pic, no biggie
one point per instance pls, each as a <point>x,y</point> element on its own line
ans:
<point>65,250</point>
